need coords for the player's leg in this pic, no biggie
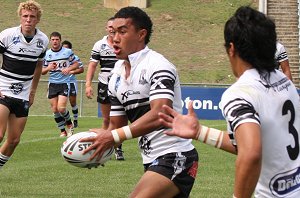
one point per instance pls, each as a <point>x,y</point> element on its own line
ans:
<point>53,90</point>
<point>60,121</point>
<point>62,109</point>
<point>4,112</point>
<point>155,185</point>
<point>15,126</point>
<point>73,103</point>
<point>105,109</point>
<point>174,172</point>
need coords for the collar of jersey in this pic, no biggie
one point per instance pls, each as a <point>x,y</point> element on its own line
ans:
<point>136,58</point>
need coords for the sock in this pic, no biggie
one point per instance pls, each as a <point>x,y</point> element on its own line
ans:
<point>60,121</point>
<point>67,117</point>
<point>3,160</point>
<point>75,112</point>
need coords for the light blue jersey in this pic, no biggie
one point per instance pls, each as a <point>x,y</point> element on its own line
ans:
<point>72,76</point>
<point>64,58</point>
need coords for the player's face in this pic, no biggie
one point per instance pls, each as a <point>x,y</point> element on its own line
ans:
<point>127,40</point>
<point>28,20</point>
<point>55,43</point>
<point>109,27</point>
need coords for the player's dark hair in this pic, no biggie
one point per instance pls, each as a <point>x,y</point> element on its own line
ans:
<point>111,19</point>
<point>254,37</point>
<point>68,43</point>
<point>140,19</point>
<point>55,34</point>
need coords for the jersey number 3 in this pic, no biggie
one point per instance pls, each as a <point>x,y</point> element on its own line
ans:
<point>292,151</point>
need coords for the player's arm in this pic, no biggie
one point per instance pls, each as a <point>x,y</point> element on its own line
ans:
<point>285,66</point>
<point>188,126</point>
<point>249,158</point>
<point>77,71</point>
<point>89,78</point>
<point>35,81</point>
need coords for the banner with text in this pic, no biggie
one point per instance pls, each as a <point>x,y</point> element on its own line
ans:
<point>206,101</point>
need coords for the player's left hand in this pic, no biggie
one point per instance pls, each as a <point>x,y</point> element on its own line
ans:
<point>185,126</point>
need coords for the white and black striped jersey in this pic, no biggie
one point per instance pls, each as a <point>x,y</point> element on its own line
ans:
<point>104,54</point>
<point>151,77</point>
<point>275,106</point>
<point>19,61</point>
<point>280,54</point>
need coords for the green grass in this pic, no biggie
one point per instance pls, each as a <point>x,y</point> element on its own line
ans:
<point>38,170</point>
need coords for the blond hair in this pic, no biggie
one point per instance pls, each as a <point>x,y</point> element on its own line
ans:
<point>30,5</point>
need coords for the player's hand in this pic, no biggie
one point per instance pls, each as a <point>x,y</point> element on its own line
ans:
<point>97,130</point>
<point>100,144</point>
<point>185,126</point>
<point>89,92</point>
<point>66,71</point>
<point>52,66</point>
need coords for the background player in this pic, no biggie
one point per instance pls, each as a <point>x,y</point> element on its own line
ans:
<point>59,62</point>
<point>282,60</point>
<point>262,112</point>
<point>74,84</point>
<point>103,53</point>
<point>20,74</point>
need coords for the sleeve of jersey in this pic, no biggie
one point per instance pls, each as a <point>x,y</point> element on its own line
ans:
<point>95,53</point>
<point>2,45</point>
<point>43,54</point>
<point>238,109</point>
<point>162,83</point>
<point>116,108</point>
<point>282,54</point>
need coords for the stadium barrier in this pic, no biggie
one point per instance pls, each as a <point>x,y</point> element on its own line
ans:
<point>206,99</point>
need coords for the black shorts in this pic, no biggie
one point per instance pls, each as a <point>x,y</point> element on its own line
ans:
<point>103,93</point>
<point>180,167</point>
<point>55,90</point>
<point>73,89</point>
<point>16,106</point>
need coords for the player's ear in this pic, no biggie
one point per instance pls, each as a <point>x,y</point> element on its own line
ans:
<point>142,34</point>
<point>231,50</point>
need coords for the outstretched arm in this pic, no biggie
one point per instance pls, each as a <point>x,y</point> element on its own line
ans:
<point>188,126</point>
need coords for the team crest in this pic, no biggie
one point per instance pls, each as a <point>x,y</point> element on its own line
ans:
<point>103,46</point>
<point>16,88</point>
<point>39,43</point>
<point>142,79</point>
<point>16,40</point>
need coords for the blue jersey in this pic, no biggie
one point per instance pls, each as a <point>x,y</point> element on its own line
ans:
<point>73,77</point>
<point>64,58</point>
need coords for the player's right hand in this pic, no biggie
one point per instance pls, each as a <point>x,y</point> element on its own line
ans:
<point>89,92</point>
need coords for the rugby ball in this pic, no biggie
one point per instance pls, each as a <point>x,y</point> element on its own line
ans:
<point>72,150</point>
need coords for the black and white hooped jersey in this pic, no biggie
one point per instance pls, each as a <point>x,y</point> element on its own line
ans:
<point>104,54</point>
<point>275,106</point>
<point>19,61</point>
<point>152,77</point>
<point>280,54</point>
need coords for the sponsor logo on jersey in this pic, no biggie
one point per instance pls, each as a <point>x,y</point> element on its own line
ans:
<point>25,50</point>
<point>286,183</point>
<point>16,40</point>
<point>16,88</point>
<point>129,93</point>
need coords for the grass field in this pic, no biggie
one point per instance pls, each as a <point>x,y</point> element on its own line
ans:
<point>37,169</point>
